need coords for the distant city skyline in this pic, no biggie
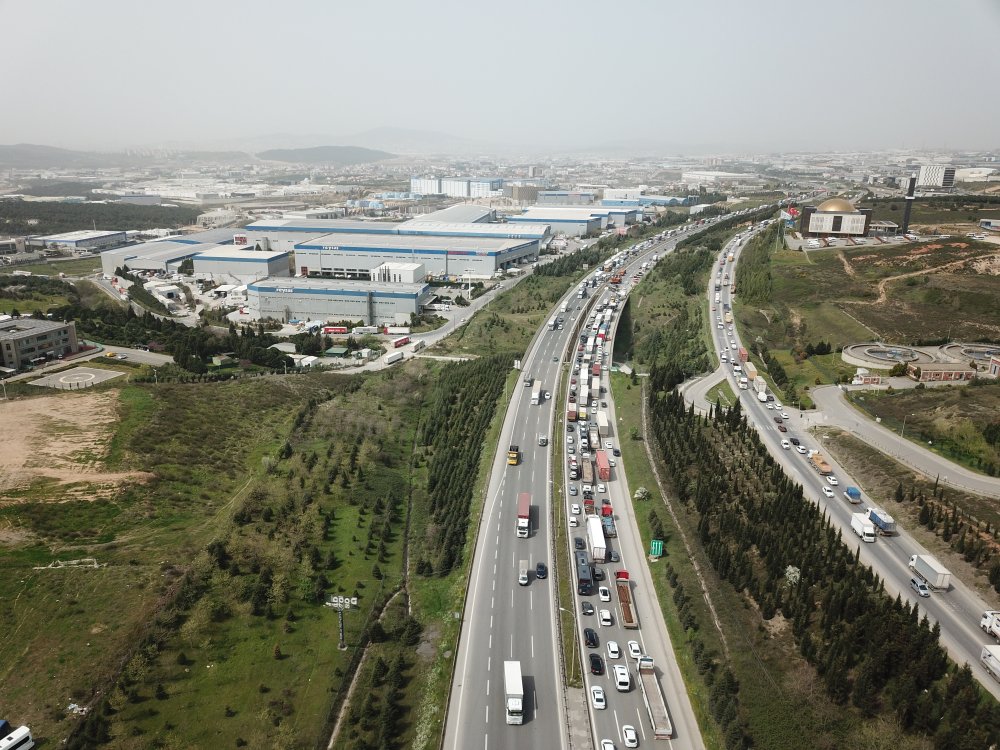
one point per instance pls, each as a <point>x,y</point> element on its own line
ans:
<point>647,78</point>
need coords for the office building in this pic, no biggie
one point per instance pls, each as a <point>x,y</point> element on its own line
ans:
<point>936,175</point>
<point>30,341</point>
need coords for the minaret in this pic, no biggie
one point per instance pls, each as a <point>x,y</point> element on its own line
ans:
<point>910,188</point>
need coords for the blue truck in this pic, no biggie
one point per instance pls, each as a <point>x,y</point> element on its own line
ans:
<point>882,520</point>
<point>853,495</point>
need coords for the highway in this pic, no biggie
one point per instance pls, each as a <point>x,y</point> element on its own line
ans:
<point>957,610</point>
<point>504,621</point>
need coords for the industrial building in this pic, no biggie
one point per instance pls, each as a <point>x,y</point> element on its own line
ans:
<point>85,239</point>
<point>936,175</point>
<point>28,341</point>
<point>834,218</point>
<point>240,265</point>
<point>399,273</point>
<point>566,197</point>
<point>337,299</point>
<point>353,256</point>
<point>457,187</point>
<point>163,256</point>
<point>578,221</point>
<point>460,213</point>
<point>936,372</point>
<point>288,234</point>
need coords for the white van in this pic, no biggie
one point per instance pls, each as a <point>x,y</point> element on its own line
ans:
<point>623,682</point>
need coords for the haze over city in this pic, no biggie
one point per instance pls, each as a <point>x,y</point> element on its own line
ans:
<point>527,77</point>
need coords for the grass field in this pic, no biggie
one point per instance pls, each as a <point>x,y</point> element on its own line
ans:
<point>722,393</point>
<point>72,267</point>
<point>949,420</point>
<point>932,214</point>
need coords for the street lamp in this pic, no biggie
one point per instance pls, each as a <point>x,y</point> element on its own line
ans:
<point>563,609</point>
<point>904,423</point>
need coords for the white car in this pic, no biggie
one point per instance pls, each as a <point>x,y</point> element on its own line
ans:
<point>575,509</point>
<point>613,651</point>
<point>609,445</point>
<point>634,649</point>
<point>828,492</point>
<point>604,593</point>
<point>597,697</point>
<point>784,415</point>
<point>604,615</point>
<point>770,405</point>
<point>573,522</point>
<point>801,449</point>
<point>612,463</point>
<point>832,480</point>
<point>786,445</point>
<point>601,488</point>
<point>629,736</point>
<point>607,745</point>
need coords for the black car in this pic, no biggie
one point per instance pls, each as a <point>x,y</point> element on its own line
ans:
<point>598,574</point>
<point>578,543</point>
<point>541,571</point>
<point>596,664</point>
<point>616,452</point>
<point>586,608</point>
<point>794,441</point>
<point>590,637</point>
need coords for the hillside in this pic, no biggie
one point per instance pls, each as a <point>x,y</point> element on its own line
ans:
<point>338,155</point>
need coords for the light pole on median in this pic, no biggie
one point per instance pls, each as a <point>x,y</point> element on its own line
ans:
<point>904,424</point>
<point>573,674</point>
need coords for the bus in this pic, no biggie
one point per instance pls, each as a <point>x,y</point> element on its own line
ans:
<point>401,341</point>
<point>584,578</point>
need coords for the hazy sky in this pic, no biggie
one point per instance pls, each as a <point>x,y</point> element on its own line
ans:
<point>701,75</point>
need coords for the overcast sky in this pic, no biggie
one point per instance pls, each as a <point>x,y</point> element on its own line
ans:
<point>694,76</point>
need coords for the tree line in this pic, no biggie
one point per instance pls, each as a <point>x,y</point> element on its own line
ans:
<point>872,652</point>
<point>37,218</point>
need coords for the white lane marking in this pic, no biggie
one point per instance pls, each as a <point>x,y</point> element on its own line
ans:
<point>489,662</point>
<point>640,724</point>
<point>532,646</point>
<point>491,622</point>
<point>492,603</point>
<point>511,599</point>
<point>511,645</point>
<point>487,688</point>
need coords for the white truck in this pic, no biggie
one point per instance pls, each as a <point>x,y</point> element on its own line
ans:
<point>652,696</point>
<point>933,573</point>
<point>863,527</point>
<point>595,535</point>
<point>393,358</point>
<point>603,428</point>
<point>536,394</point>
<point>990,623</point>
<point>762,395</point>
<point>513,692</point>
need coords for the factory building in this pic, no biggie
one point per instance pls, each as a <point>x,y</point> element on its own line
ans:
<point>85,239</point>
<point>834,218</point>
<point>461,213</point>
<point>566,197</point>
<point>337,299</point>
<point>353,256</point>
<point>164,255</point>
<point>457,187</point>
<point>240,265</point>
<point>29,341</point>
<point>578,221</point>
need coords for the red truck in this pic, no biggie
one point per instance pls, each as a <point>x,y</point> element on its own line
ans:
<point>743,354</point>
<point>625,600</point>
<point>595,370</point>
<point>603,467</point>
<point>571,415</point>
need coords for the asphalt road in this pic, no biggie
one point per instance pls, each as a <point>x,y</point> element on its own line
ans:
<point>505,621</point>
<point>957,610</point>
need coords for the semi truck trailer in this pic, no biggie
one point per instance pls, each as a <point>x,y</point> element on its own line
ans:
<point>513,692</point>
<point>629,619</point>
<point>933,573</point>
<point>523,515</point>
<point>656,704</point>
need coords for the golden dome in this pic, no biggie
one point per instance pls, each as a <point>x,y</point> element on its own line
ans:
<point>836,205</point>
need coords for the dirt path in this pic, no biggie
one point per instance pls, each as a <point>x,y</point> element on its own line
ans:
<point>848,268</point>
<point>884,283</point>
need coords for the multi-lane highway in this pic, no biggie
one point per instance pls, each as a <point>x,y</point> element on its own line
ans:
<point>507,621</point>
<point>958,610</point>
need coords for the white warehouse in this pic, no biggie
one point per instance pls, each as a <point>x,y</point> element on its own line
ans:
<point>240,265</point>
<point>337,299</point>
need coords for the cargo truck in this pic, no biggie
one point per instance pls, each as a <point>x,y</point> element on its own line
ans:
<point>603,467</point>
<point>629,619</point>
<point>536,394</point>
<point>743,383</point>
<point>990,623</point>
<point>595,535</point>
<point>991,660</point>
<point>513,455</point>
<point>861,526</point>
<point>742,353</point>
<point>571,414</point>
<point>603,428</point>
<point>760,386</point>
<point>933,573</point>
<point>523,515</point>
<point>513,687</point>
<point>883,521</point>
<point>595,370</point>
<point>527,380</point>
<point>761,395</point>
<point>552,324</point>
<point>588,471</point>
<point>522,572</point>
<point>853,495</point>
<point>819,463</point>
<point>751,370</point>
<point>393,358</point>
<point>608,519</point>
<point>595,438</point>
<point>652,696</point>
